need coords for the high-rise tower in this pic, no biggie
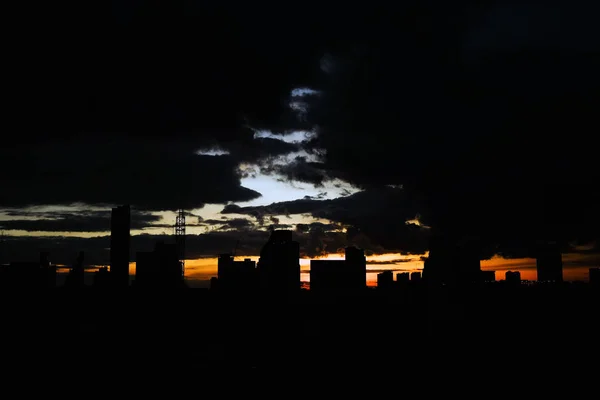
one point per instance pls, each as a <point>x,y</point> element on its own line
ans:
<point>120,226</point>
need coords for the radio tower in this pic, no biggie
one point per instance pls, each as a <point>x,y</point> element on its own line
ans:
<point>180,238</point>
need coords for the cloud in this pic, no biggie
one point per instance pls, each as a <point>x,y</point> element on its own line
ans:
<point>156,114</point>
<point>390,262</point>
<point>532,25</point>
<point>239,224</point>
<point>375,219</point>
<point>111,169</point>
<point>199,70</point>
<point>486,128</point>
<point>297,168</point>
<point>63,250</point>
<point>83,221</point>
<point>497,144</point>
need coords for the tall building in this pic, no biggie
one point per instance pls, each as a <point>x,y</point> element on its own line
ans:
<point>594,278</point>
<point>415,276</point>
<point>385,280</point>
<point>234,275</point>
<point>26,274</point>
<point>159,268</point>
<point>328,275</point>
<point>549,263</point>
<point>452,262</point>
<point>438,266</point>
<point>76,276</point>
<point>356,263</point>
<point>345,275</point>
<point>102,278</point>
<point>402,278</point>
<point>120,226</point>
<point>488,276</point>
<point>279,263</point>
<point>48,268</point>
<point>513,277</point>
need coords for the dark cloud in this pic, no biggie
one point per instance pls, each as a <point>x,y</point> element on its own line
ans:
<point>280,226</point>
<point>81,221</point>
<point>229,224</point>
<point>152,175</point>
<point>64,250</point>
<point>319,196</point>
<point>274,219</point>
<point>484,113</point>
<point>261,149</point>
<point>109,107</point>
<point>375,219</point>
<point>299,169</point>
<point>303,228</point>
<point>494,136</point>
<point>390,262</point>
<point>148,68</point>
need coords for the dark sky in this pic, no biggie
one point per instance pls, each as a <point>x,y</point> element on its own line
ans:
<point>484,112</point>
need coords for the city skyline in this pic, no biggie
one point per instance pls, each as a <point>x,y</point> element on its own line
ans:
<point>324,187</point>
<point>200,269</point>
<point>371,130</point>
<point>308,137</point>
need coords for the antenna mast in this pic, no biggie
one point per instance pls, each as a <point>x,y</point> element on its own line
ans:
<point>180,238</point>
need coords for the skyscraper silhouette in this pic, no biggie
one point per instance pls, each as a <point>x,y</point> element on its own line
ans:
<point>357,263</point>
<point>513,277</point>
<point>160,268</point>
<point>279,263</point>
<point>120,225</point>
<point>238,276</point>
<point>452,262</point>
<point>549,263</point>
<point>349,274</point>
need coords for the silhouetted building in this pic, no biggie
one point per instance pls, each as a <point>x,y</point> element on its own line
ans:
<point>452,263</point>
<point>28,274</point>
<point>120,225</point>
<point>468,263</point>
<point>438,266</point>
<point>513,277</point>
<point>236,275</point>
<point>76,275</point>
<point>214,283</point>
<point>160,268</point>
<point>48,269</point>
<point>549,263</point>
<point>402,279</point>
<point>488,276</point>
<point>415,276</point>
<point>345,275</point>
<point>594,279</point>
<point>102,278</point>
<point>279,263</point>
<point>330,275</point>
<point>385,280</point>
<point>356,263</point>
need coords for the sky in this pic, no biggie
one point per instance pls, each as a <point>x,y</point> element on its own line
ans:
<point>376,126</point>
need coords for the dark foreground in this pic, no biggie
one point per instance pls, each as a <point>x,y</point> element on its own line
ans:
<point>409,331</point>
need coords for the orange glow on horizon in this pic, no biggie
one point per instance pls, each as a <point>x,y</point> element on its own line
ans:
<point>575,266</point>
